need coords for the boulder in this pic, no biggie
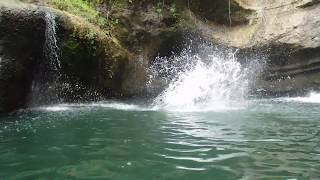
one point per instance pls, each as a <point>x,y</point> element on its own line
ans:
<point>21,47</point>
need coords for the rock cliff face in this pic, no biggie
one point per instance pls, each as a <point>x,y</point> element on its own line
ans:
<point>110,59</point>
<point>92,62</point>
<point>147,29</point>
<point>21,44</point>
<point>287,32</point>
<point>259,23</point>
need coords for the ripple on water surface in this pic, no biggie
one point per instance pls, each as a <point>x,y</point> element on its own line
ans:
<point>269,139</point>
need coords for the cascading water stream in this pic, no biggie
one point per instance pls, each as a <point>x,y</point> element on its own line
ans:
<point>43,88</point>
<point>51,49</point>
<point>202,82</point>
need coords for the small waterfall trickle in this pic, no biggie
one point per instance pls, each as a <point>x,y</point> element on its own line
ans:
<point>44,89</point>
<point>51,49</point>
<point>207,80</point>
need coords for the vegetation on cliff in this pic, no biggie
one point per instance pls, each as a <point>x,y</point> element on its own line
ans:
<point>108,44</point>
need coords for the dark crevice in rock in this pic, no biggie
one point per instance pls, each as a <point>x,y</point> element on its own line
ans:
<point>219,11</point>
<point>288,71</point>
<point>298,62</point>
<point>310,3</point>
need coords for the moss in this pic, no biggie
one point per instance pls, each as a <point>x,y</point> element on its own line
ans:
<point>81,8</point>
<point>86,9</point>
<point>90,55</point>
<point>78,58</point>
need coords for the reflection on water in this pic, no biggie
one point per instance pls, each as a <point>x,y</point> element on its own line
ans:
<point>269,139</point>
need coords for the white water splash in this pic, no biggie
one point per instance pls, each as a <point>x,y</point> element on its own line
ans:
<point>55,108</point>
<point>313,97</point>
<point>85,106</point>
<point>209,82</point>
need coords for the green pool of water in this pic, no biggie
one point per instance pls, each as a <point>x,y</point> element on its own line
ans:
<point>266,139</point>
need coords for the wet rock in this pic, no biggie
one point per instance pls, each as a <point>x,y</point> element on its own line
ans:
<point>21,41</point>
<point>112,62</point>
<point>147,29</point>
<point>292,73</point>
<point>90,57</point>
<point>92,62</point>
<point>286,33</point>
<point>222,12</point>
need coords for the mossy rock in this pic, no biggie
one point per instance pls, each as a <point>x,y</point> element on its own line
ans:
<point>21,41</point>
<point>91,56</point>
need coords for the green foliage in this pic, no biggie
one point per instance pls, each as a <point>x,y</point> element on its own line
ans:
<point>171,8</point>
<point>79,56</point>
<point>83,8</point>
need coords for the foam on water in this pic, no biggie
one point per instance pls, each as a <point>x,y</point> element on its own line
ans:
<point>313,97</point>
<point>103,104</point>
<point>208,82</point>
<point>55,108</point>
<point>120,106</point>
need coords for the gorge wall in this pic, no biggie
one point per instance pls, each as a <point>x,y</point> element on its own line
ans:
<point>286,33</point>
<point>108,55</point>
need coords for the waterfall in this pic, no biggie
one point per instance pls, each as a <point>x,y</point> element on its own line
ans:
<point>51,50</point>
<point>44,89</point>
<point>208,80</point>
